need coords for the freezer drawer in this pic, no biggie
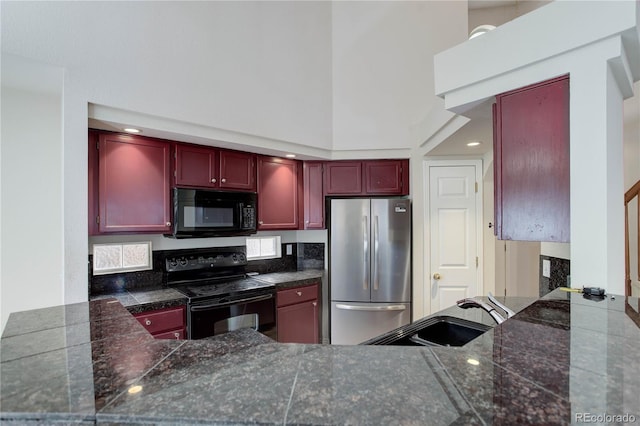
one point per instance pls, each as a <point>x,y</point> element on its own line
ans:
<point>353,323</point>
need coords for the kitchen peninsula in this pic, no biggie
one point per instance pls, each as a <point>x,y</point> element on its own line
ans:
<point>560,357</point>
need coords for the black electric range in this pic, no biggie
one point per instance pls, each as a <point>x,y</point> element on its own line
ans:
<point>222,297</point>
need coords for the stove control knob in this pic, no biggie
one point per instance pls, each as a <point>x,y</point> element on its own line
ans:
<point>173,263</point>
<point>183,261</point>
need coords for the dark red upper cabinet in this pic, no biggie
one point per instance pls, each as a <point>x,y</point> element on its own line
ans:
<point>313,195</point>
<point>531,162</point>
<point>385,177</point>
<point>369,177</point>
<point>133,187</point>
<point>237,170</point>
<point>196,166</point>
<point>279,193</point>
<point>343,178</point>
<point>206,167</point>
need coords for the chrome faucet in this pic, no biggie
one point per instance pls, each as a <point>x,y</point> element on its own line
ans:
<point>475,303</point>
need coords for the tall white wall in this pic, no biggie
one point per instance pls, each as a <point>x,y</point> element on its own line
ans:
<point>31,218</point>
<point>260,68</point>
<point>383,69</point>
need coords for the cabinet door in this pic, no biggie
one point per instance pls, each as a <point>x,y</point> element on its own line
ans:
<point>532,162</point>
<point>134,181</point>
<point>343,178</point>
<point>94,208</point>
<point>313,195</point>
<point>298,323</point>
<point>196,166</point>
<point>237,170</point>
<point>278,193</point>
<point>385,177</point>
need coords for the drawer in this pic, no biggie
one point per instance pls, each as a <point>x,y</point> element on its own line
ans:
<point>162,320</point>
<point>173,334</point>
<point>297,295</point>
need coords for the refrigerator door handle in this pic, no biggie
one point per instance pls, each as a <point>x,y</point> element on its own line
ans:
<point>376,231</point>
<point>370,308</point>
<point>365,242</point>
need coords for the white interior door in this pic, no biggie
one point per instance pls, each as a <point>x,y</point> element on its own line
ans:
<point>454,237</point>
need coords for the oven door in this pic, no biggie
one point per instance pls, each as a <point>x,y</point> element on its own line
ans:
<point>217,316</point>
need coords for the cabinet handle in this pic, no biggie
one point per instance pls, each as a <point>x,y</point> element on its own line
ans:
<point>314,303</point>
<point>260,222</point>
<point>168,223</point>
<point>223,180</point>
<point>299,293</point>
<point>148,322</point>
<point>213,180</point>
<point>177,335</point>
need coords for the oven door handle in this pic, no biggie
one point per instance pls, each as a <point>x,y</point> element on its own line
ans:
<point>233,302</point>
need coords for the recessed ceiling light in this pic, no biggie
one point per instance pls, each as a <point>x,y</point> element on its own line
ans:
<point>290,156</point>
<point>474,143</point>
<point>131,130</point>
<point>480,30</point>
<point>473,361</point>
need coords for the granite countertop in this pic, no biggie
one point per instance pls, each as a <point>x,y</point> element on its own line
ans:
<point>558,360</point>
<point>160,297</point>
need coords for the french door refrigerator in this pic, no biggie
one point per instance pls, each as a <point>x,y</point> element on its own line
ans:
<point>369,267</point>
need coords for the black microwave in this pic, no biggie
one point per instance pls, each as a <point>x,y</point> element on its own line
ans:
<point>199,213</point>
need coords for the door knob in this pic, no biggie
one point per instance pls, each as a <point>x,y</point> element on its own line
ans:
<point>436,276</point>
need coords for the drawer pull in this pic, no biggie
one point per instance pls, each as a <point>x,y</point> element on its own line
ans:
<point>147,321</point>
<point>299,293</point>
<point>315,303</point>
<point>177,335</point>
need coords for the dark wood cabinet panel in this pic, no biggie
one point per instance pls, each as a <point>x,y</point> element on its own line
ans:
<point>196,166</point>
<point>368,177</point>
<point>313,195</point>
<point>168,323</point>
<point>531,162</point>
<point>237,170</point>
<point>385,177</point>
<point>279,192</point>
<point>297,315</point>
<point>134,182</point>
<point>94,208</point>
<point>206,167</point>
<point>343,178</point>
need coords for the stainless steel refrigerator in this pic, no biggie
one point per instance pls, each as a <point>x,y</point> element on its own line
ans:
<point>369,267</point>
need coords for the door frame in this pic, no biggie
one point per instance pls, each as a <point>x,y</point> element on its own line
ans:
<point>427,270</point>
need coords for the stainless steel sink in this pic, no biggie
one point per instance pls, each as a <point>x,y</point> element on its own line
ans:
<point>434,331</point>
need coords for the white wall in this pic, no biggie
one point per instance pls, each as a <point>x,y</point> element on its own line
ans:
<point>383,69</point>
<point>31,225</point>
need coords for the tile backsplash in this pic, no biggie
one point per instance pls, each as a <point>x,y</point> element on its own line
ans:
<point>559,273</point>
<point>303,256</point>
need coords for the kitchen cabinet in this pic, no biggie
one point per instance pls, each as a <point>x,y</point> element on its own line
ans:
<point>297,314</point>
<point>168,323</point>
<point>279,193</point>
<point>531,162</point>
<point>343,178</point>
<point>206,167</point>
<point>369,177</point>
<point>313,195</point>
<point>94,208</point>
<point>133,189</point>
